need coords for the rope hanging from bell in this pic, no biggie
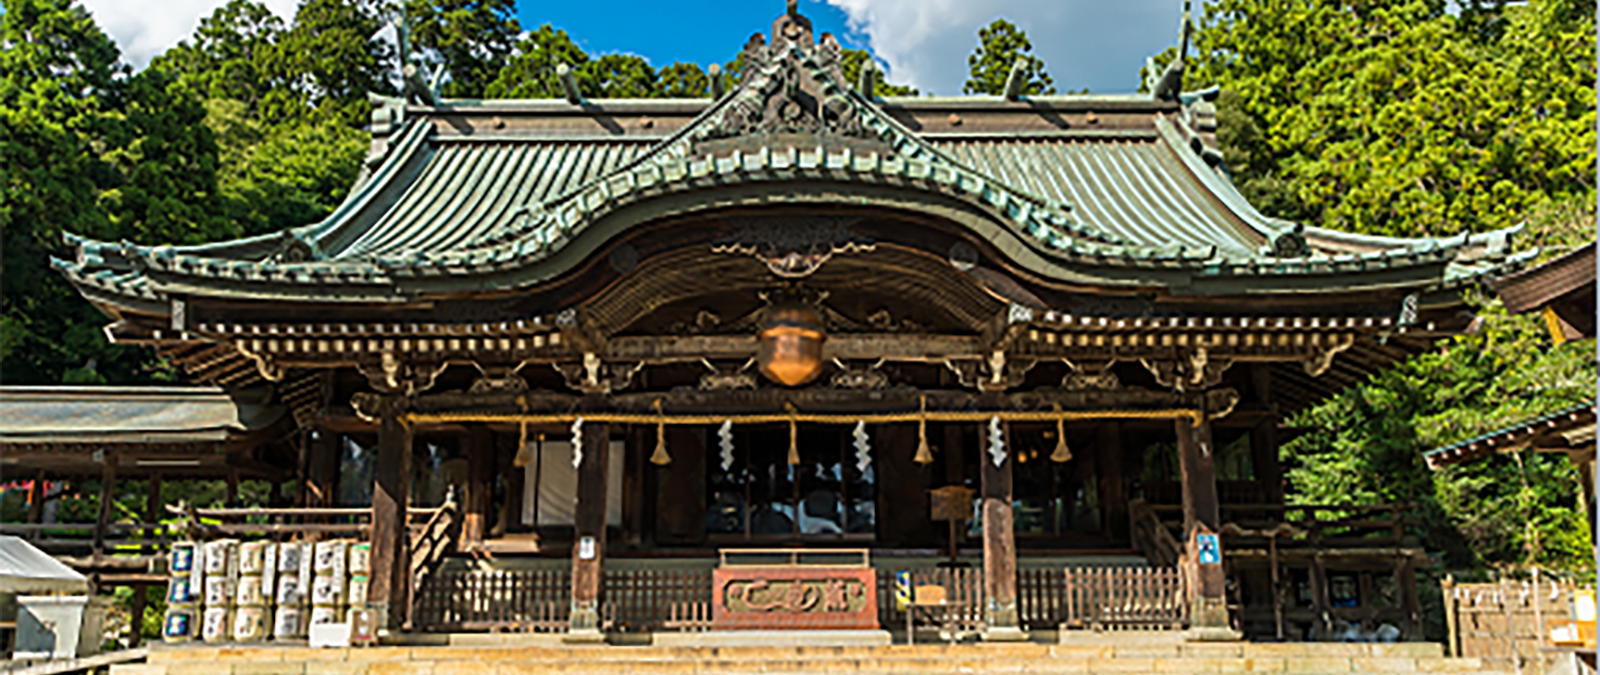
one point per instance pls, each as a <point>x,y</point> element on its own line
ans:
<point>794,438</point>
<point>524,457</point>
<point>1062,454</point>
<point>660,456</point>
<point>924,453</point>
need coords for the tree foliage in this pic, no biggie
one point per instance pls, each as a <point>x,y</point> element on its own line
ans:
<point>850,66</point>
<point>1000,45</point>
<point>467,39</point>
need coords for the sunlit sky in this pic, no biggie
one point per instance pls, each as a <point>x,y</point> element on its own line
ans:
<point>924,43</point>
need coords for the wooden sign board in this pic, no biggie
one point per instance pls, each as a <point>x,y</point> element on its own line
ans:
<point>794,597</point>
<point>951,502</point>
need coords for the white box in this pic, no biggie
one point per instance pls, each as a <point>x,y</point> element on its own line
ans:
<point>59,627</point>
<point>330,635</point>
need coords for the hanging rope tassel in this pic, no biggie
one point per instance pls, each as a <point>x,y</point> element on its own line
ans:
<point>524,457</point>
<point>924,453</point>
<point>1062,454</point>
<point>794,437</point>
<point>660,456</point>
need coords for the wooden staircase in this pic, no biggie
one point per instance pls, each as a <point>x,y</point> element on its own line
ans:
<point>1123,656</point>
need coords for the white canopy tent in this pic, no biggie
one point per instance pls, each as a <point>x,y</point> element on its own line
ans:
<point>25,570</point>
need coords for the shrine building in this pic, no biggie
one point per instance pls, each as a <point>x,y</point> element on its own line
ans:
<point>595,367</point>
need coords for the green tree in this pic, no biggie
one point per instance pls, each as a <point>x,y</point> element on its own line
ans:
<point>531,73</point>
<point>1000,45</point>
<point>228,55</point>
<point>850,66</point>
<point>334,57</point>
<point>618,76</point>
<point>469,39</point>
<point>683,80</point>
<point>274,178</point>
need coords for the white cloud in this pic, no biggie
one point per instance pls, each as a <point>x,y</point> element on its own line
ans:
<point>145,28</point>
<point>1085,43</point>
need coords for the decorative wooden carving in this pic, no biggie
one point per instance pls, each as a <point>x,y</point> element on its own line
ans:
<point>594,376</point>
<point>868,377</point>
<point>994,373</point>
<point>1091,376</point>
<point>783,597</point>
<point>391,374</point>
<point>793,246</point>
<point>1195,372</point>
<point>725,380</point>
<point>498,380</point>
<point>1322,360</point>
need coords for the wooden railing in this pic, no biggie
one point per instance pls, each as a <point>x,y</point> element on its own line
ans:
<point>533,601</point>
<point>1101,598</point>
<point>1506,623</point>
<point>77,538</point>
<point>963,591</point>
<point>655,600</point>
<point>1041,598</point>
<point>1318,525</point>
<point>1151,536</point>
<point>431,543</point>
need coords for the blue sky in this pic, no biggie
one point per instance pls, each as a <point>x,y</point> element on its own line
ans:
<point>1098,44</point>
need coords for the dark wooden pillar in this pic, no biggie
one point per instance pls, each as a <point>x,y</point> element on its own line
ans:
<point>589,535</point>
<point>999,543</point>
<point>1201,515</point>
<point>1113,500</point>
<point>902,488</point>
<point>639,444</point>
<point>231,496</point>
<point>152,509</point>
<point>681,488</point>
<point>391,492</point>
<point>480,486</point>
<point>137,615</point>
<point>322,469</point>
<point>108,495</point>
<point>36,497</point>
<point>1264,438</point>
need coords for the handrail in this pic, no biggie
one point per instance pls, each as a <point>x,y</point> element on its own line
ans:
<point>1151,536</point>
<point>794,555</point>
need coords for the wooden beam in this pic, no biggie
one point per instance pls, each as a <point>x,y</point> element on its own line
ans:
<point>895,347</point>
<point>1201,516</point>
<point>589,535</point>
<point>999,543</point>
<point>390,497</point>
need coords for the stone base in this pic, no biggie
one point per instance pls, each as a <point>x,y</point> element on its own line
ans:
<point>583,636</point>
<point>1005,634</point>
<point>773,638</point>
<point>1212,634</point>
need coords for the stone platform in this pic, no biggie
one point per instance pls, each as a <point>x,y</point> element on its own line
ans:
<point>1124,657</point>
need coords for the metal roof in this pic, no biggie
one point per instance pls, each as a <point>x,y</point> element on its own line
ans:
<point>126,415</point>
<point>1512,437</point>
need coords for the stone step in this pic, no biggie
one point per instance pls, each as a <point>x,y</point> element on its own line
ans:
<point>893,660</point>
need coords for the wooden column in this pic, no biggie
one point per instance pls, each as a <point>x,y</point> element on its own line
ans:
<point>480,486</point>
<point>152,508</point>
<point>1264,438</point>
<point>589,536</point>
<point>137,615</point>
<point>108,482</point>
<point>322,469</point>
<point>902,487</point>
<point>1201,515</point>
<point>391,493</point>
<point>36,497</point>
<point>640,443</point>
<point>231,496</point>
<point>999,544</point>
<point>1113,501</point>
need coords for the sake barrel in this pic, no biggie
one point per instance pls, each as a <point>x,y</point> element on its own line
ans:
<point>358,590</point>
<point>178,625</point>
<point>360,558</point>
<point>219,591</point>
<point>327,591</point>
<point>250,624</point>
<point>290,592</point>
<point>322,615</point>
<point>253,557</point>
<point>329,558</point>
<point>288,623</point>
<point>250,593</point>
<point>181,592</point>
<point>180,561</point>
<point>222,557</point>
<point>215,623</point>
<point>291,557</point>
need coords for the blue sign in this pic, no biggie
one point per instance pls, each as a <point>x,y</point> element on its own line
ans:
<point>1207,549</point>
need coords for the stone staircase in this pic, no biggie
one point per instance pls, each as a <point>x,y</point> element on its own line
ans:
<point>1126,656</point>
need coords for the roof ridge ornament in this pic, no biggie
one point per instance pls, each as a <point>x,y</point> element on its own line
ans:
<point>1169,83</point>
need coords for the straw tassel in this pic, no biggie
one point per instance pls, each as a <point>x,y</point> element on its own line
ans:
<point>524,456</point>
<point>1062,454</point>
<point>924,453</point>
<point>794,444</point>
<point>660,456</point>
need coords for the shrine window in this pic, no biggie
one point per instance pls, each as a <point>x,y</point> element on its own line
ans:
<point>759,495</point>
<point>1053,499</point>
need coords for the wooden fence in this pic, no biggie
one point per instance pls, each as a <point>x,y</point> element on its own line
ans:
<point>1504,623</point>
<point>532,601</point>
<point>963,591</point>
<point>650,600</point>
<point>1101,598</point>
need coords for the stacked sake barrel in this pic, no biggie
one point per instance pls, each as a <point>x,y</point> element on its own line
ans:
<point>252,610</point>
<point>221,563</point>
<point>360,576</point>
<point>293,591</point>
<point>183,592</point>
<point>328,587</point>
